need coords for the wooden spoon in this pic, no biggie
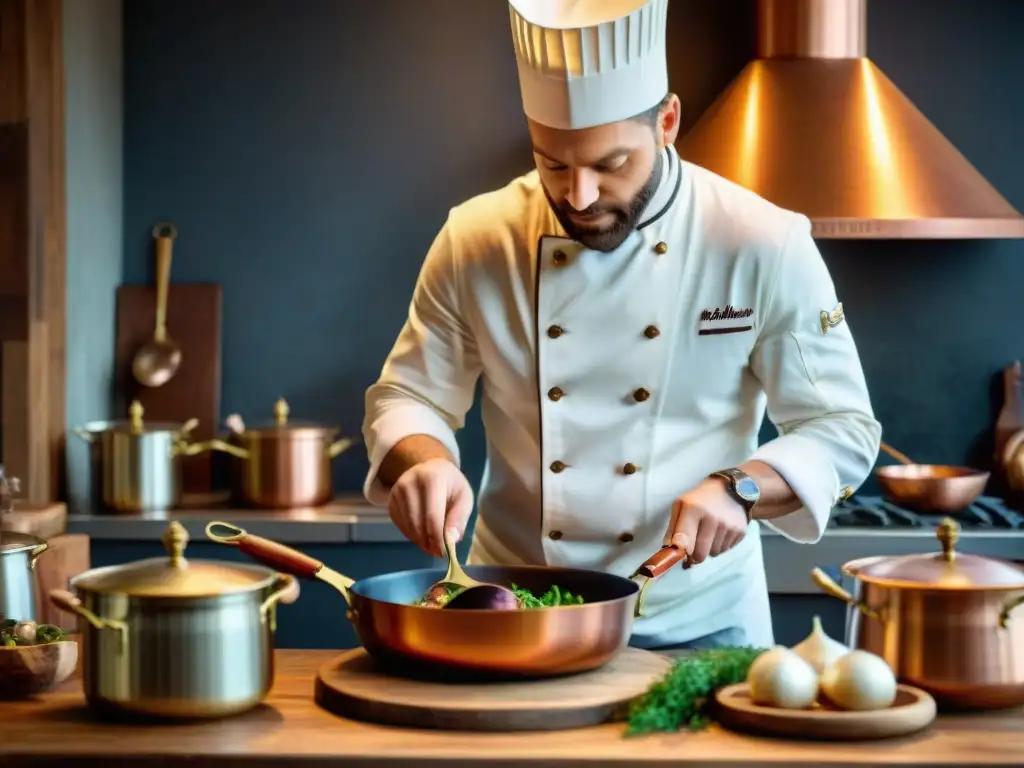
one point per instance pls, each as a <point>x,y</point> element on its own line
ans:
<point>158,359</point>
<point>902,458</point>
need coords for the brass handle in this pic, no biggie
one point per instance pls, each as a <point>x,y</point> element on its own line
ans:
<point>829,587</point>
<point>188,426</point>
<point>656,565</point>
<point>1004,615</point>
<point>68,602</point>
<point>341,445</point>
<point>35,553</point>
<point>83,434</point>
<point>287,592</point>
<point>192,449</point>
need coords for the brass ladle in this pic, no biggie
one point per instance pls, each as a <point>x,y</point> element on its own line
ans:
<point>158,359</point>
<point>472,594</point>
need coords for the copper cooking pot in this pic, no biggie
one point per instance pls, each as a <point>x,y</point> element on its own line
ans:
<point>947,622</point>
<point>286,464</point>
<point>929,488</point>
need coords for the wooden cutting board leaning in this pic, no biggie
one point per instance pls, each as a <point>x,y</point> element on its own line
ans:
<point>193,321</point>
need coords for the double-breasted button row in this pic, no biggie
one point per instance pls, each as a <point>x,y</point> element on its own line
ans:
<point>640,395</point>
<point>556,331</point>
<point>559,258</point>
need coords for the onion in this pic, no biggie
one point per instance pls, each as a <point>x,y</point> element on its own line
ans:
<point>861,681</point>
<point>818,649</point>
<point>780,678</point>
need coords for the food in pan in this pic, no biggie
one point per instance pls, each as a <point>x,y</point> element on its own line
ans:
<point>18,633</point>
<point>440,595</point>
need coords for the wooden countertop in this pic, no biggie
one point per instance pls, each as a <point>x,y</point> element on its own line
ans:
<point>289,729</point>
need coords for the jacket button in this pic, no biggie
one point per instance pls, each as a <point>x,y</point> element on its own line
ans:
<point>661,248</point>
<point>555,535</point>
<point>555,393</point>
<point>559,258</point>
<point>652,332</point>
<point>554,331</point>
<point>625,538</point>
<point>641,394</point>
<point>558,466</point>
<point>629,468</point>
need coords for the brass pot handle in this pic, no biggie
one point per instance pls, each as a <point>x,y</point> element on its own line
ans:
<point>36,552</point>
<point>185,448</point>
<point>84,434</point>
<point>341,445</point>
<point>287,592</point>
<point>68,602</point>
<point>1004,615</point>
<point>828,585</point>
<point>657,564</point>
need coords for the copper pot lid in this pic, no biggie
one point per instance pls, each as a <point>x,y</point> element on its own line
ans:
<point>174,576</point>
<point>136,425</point>
<point>15,541</point>
<point>283,426</point>
<point>947,569</point>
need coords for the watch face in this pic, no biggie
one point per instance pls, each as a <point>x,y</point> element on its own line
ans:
<point>747,488</point>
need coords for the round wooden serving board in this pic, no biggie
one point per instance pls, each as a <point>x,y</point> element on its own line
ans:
<point>912,711</point>
<point>353,686</point>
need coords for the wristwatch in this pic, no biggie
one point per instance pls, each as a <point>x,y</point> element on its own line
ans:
<point>741,487</point>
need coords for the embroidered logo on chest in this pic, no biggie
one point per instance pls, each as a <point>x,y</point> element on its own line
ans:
<point>727,319</point>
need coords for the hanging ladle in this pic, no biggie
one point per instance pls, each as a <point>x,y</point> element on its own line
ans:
<point>469,593</point>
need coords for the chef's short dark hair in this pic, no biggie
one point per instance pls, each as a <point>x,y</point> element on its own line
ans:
<point>650,116</point>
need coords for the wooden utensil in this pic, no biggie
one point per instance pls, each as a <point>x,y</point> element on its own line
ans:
<point>1011,414</point>
<point>194,312</point>
<point>158,359</point>
<point>354,686</point>
<point>912,711</point>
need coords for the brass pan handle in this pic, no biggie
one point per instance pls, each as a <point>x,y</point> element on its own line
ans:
<point>828,585</point>
<point>656,565</point>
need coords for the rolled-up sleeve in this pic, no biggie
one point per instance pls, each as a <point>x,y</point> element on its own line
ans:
<point>428,381</point>
<point>817,396</point>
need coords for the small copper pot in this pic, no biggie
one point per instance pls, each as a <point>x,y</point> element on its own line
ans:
<point>287,464</point>
<point>949,622</point>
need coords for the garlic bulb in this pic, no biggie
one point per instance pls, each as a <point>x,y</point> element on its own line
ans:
<point>780,678</point>
<point>25,631</point>
<point>859,680</point>
<point>818,649</point>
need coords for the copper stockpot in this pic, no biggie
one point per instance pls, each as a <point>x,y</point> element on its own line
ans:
<point>286,464</point>
<point>948,622</point>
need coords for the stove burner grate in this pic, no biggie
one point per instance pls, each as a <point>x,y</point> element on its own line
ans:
<point>876,512</point>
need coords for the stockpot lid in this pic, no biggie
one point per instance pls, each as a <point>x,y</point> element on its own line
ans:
<point>282,425</point>
<point>947,569</point>
<point>174,576</point>
<point>14,541</point>
<point>136,425</point>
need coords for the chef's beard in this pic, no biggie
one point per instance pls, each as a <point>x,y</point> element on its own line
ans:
<point>609,237</point>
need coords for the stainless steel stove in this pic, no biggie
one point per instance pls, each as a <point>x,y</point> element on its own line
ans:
<point>874,511</point>
<point>869,525</point>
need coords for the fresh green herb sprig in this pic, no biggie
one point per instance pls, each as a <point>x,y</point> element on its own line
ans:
<point>680,699</point>
<point>554,597</point>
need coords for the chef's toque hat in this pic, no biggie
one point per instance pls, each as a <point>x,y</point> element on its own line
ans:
<point>589,62</point>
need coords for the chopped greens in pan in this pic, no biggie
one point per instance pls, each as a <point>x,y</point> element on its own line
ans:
<point>441,594</point>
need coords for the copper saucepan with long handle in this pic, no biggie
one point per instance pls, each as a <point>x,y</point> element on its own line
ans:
<point>534,642</point>
<point>929,488</point>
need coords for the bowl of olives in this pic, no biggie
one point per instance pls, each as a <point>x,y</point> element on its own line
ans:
<point>33,658</point>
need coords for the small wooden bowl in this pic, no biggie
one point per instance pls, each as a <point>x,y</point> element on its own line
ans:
<point>26,670</point>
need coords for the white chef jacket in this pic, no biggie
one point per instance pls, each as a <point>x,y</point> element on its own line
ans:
<point>615,382</point>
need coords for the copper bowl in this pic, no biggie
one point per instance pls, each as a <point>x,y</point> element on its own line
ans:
<point>931,488</point>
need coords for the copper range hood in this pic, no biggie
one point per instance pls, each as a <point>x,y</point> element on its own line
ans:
<point>812,125</point>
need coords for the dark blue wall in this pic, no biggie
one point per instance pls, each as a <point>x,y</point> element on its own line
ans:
<point>309,151</point>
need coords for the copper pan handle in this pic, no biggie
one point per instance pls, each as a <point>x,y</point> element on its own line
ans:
<point>656,565</point>
<point>278,556</point>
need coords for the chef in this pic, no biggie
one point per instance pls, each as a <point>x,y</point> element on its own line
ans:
<point>631,317</point>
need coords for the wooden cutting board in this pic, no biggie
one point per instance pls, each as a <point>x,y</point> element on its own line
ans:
<point>353,686</point>
<point>194,322</point>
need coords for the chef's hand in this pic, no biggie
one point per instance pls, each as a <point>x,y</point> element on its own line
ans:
<point>706,521</point>
<point>428,498</point>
